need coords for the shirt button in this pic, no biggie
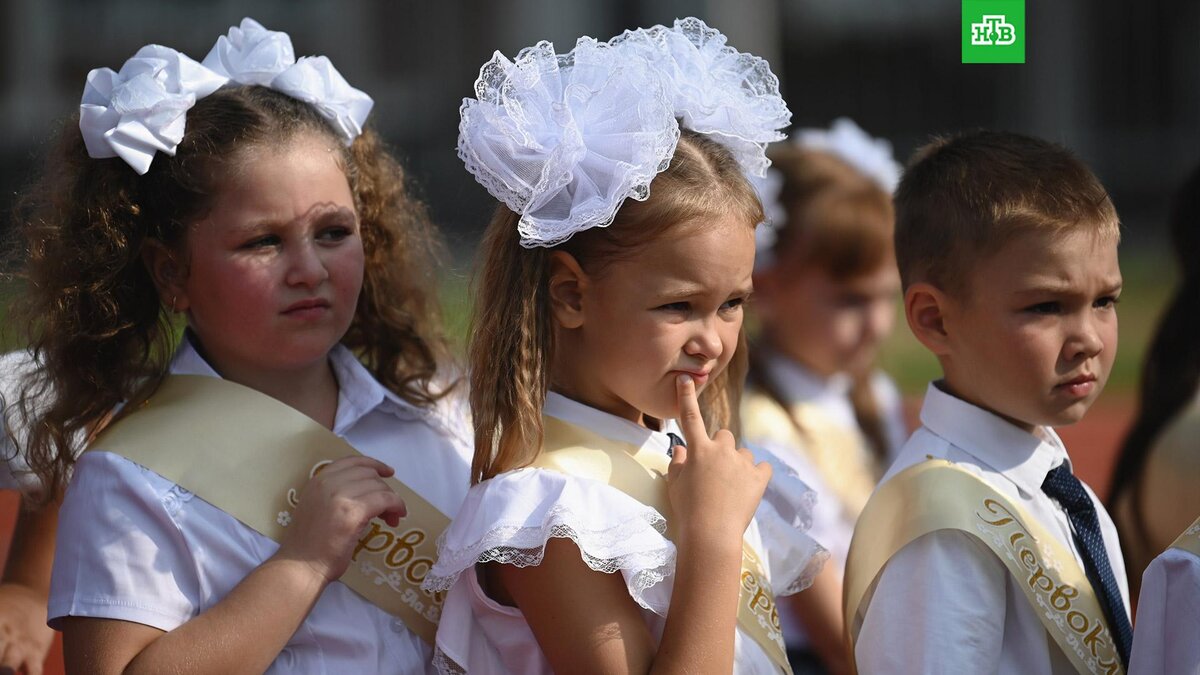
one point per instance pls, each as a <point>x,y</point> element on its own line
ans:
<point>397,626</point>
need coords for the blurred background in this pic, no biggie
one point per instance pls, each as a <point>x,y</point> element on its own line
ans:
<point>1117,81</point>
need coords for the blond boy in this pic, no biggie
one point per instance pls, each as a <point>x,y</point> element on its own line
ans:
<point>980,551</point>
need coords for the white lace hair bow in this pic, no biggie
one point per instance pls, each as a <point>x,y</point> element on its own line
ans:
<point>564,139</point>
<point>715,89</point>
<point>142,109</point>
<point>847,141</point>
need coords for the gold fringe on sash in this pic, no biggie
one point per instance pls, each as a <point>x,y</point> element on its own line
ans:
<point>938,495</point>
<point>249,455</point>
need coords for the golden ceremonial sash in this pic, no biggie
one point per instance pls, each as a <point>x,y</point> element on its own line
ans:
<point>249,455</point>
<point>838,454</point>
<point>1190,539</point>
<point>641,474</point>
<point>938,495</point>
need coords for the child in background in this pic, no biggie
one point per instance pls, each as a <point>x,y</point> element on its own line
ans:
<point>826,291</point>
<point>980,548</point>
<point>1154,495</point>
<point>1169,607</point>
<point>609,303</point>
<point>1154,484</point>
<point>246,194</point>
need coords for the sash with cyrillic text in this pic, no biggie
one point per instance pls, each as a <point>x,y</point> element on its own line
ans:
<point>250,455</point>
<point>641,474</point>
<point>938,495</point>
<point>1190,539</point>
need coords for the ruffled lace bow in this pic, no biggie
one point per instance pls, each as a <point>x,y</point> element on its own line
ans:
<point>564,139</point>
<point>714,88</point>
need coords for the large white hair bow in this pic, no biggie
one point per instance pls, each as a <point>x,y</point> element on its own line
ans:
<point>140,110</point>
<point>564,139</point>
<point>251,54</point>
<point>714,88</point>
<point>847,141</point>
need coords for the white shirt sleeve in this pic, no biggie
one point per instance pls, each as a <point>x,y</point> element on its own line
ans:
<point>938,607</point>
<point>120,554</point>
<point>1167,636</point>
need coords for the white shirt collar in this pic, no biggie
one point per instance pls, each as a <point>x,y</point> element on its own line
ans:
<point>799,384</point>
<point>606,424</point>
<point>359,393</point>
<point>1023,457</point>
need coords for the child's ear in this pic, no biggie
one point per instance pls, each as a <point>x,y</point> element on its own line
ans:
<point>925,309</point>
<point>568,282</point>
<point>168,274</point>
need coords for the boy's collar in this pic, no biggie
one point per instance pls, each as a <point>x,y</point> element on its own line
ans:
<point>1022,456</point>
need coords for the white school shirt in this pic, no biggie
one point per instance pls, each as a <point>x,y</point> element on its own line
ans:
<point>945,603</point>
<point>831,525</point>
<point>134,546</point>
<point>1166,639</point>
<point>831,395</point>
<point>510,517</point>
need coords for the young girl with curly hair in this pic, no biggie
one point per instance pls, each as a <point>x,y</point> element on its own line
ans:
<point>609,305</point>
<point>244,194</point>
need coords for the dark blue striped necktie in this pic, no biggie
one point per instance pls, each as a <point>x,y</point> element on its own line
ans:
<point>1063,486</point>
<point>675,440</point>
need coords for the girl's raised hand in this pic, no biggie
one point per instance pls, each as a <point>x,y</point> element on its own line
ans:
<point>713,485</point>
<point>335,506</point>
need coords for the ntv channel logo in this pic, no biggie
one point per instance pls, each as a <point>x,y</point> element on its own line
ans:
<point>993,31</point>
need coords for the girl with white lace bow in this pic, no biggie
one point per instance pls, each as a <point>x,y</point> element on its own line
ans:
<point>610,305</point>
<point>245,193</point>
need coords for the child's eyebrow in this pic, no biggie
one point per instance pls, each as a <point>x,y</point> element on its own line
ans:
<point>1058,286</point>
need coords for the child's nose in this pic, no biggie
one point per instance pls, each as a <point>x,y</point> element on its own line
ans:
<point>705,342</point>
<point>1085,339</point>
<point>305,267</point>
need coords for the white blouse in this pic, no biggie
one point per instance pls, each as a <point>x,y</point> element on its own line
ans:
<point>1166,639</point>
<point>832,524</point>
<point>509,519</point>
<point>944,603</point>
<point>134,546</point>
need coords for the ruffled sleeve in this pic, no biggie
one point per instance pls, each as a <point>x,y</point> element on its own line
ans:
<point>509,519</point>
<point>784,517</point>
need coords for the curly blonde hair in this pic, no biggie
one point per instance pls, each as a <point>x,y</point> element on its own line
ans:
<point>94,321</point>
<point>512,335</point>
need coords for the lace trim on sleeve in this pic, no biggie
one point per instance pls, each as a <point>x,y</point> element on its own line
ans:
<point>603,550</point>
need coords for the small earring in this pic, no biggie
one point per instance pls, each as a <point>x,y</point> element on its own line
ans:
<point>173,310</point>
